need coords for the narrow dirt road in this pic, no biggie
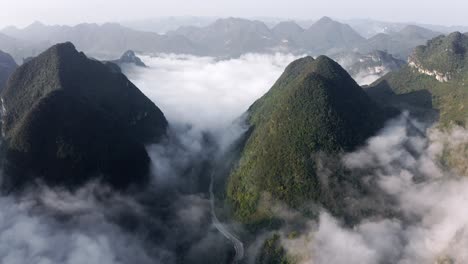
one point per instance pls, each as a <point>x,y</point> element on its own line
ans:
<point>238,245</point>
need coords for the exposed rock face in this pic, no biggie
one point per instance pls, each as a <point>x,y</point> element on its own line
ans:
<point>234,37</point>
<point>7,66</point>
<point>441,77</point>
<point>367,68</point>
<point>442,57</point>
<point>435,79</point>
<point>67,119</point>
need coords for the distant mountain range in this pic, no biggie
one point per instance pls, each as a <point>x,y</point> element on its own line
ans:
<point>68,119</point>
<point>229,37</point>
<point>19,49</point>
<point>401,43</point>
<point>7,67</point>
<point>102,41</point>
<point>164,24</point>
<point>433,85</point>
<point>433,79</point>
<point>235,36</point>
<point>365,27</point>
<point>369,27</point>
<point>367,68</point>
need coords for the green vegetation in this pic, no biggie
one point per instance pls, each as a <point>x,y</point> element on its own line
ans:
<point>69,118</point>
<point>314,109</point>
<point>445,55</point>
<point>272,252</point>
<point>419,92</point>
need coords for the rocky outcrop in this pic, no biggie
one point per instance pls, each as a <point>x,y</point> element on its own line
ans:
<point>441,77</point>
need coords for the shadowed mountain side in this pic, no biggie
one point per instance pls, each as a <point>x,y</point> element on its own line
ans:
<point>67,119</point>
<point>418,103</point>
<point>314,109</point>
<point>7,67</point>
<point>440,69</point>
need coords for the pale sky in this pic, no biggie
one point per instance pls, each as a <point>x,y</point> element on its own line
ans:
<point>23,12</point>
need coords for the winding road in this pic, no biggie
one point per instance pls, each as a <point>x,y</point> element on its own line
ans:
<point>238,245</point>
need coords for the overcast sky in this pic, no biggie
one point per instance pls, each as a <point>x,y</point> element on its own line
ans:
<point>23,12</point>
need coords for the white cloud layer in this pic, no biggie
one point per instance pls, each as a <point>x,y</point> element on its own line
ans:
<point>56,226</point>
<point>206,93</point>
<point>28,234</point>
<point>430,226</point>
<point>50,226</point>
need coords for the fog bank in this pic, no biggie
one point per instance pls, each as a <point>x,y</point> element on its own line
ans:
<point>204,92</point>
<point>170,221</point>
<point>429,225</point>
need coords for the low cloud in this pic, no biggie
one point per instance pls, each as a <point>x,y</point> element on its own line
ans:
<point>94,224</point>
<point>370,75</point>
<point>169,222</point>
<point>202,95</point>
<point>56,226</point>
<point>429,225</point>
<point>206,92</point>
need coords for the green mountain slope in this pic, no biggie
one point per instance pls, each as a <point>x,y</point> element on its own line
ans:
<point>314,108</point>
<point>400,43</point>
<point>67,119</point>
<point>435,78</point>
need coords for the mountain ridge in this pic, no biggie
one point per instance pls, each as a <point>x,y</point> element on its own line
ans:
<point>439,69</point>
<point>315,108</point>
<point>223,38</point>
<point>67,119</point>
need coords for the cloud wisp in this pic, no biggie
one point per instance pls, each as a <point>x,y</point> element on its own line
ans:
<point>429,224</point>
<point>170,221</point>
<point>204,92</point>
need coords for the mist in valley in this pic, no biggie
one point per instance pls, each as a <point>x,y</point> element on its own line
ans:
<point>404,159</point>
<point>204,100</point>
<point>423,222</point>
